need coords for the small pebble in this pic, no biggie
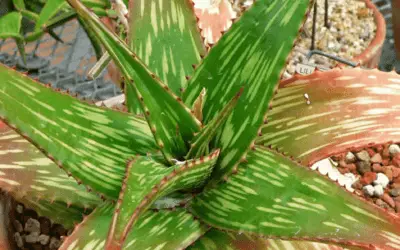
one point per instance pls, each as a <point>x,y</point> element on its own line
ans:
<point>377,168</point>
<point>368,178</point>
<point>389,200</point>
<point>382,180</point>
<point>377,158</point>
<point>378,190</point>
<point>54,243</point>
<point>32,226</point>
<point>18,226</point>
<point>350,157</point>
<point>18,239</point>
<point>368,190</point>
<point>32,237</point>
<point>395,192</point>
<point>394,149</point>
<point>363,156</point>
<point>43,239</point>
<point>325,167</point>
<point>19,209</point>
<point>396,160</point>
<point>363,167</point>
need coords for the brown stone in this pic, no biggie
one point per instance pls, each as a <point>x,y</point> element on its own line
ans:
<point>396,160</point>
<point>388,172</point>
<point>385,152</point>
<point>389,200</point>
<point>45,225</point>
<point>342,164</point>
<point>385,162</point>
<point>397,206</point>
<point>363,167</point>
<point>377,168</point>
<point>379,148</point>
<point>368,178</point>
<point>376,158</point>
<point>381,203</point>
<point>357,185</point>
<point>395,192</point>
<point>352,167</point>
<point>58,230</point>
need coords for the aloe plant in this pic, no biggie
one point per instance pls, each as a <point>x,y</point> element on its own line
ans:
<point>209,156</point>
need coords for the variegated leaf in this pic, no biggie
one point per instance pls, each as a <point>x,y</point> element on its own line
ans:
<point>347,109</point>
<point>251,54</point>
<point>218,240</point>
<point>10,27</point>
<point>27,173</point>
<point>272,196</point>
<point>91,143</point>
<point>156,230</point>
<point>147,181</point>
<point>170,120</point>
<point>164,34</point>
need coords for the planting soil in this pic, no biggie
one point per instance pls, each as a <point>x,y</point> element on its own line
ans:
<point>351,28</point>
<point>373,173</point>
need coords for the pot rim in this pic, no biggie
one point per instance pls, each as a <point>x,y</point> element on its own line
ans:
<point>375,47</point>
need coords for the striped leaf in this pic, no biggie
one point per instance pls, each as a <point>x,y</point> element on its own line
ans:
<point>91,143</point>
<point>218,240</point>
<point>156,230</point>
<point>251,54</point>
<point>170,120</point>
<point>273,196</point>
<point>349,108</point>
<point>26,173</point>
<point>145,182</point>
<point>165,35</point>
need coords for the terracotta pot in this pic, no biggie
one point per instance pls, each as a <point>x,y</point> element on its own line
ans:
<point>371,55</point>
<point>396,25</point>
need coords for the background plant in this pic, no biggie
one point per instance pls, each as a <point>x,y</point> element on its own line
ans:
<point>203,135</point>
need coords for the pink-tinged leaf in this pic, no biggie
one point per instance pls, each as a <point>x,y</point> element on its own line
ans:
<point>215,239</point>
<point>156,230</point>
<point>346,109</point>
<point>215,17</point>
<point>145,182</point>
<point>92,144</point>
<point>34,180</point>
<point>272,196</point>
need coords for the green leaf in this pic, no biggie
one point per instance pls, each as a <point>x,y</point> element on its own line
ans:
<point>26,172</point>
<point>218,240</point>
<point>348,108</point>
<point>10,27</point>
<point>273,196</point>
<point>145,182</point>
<point>50,9</point>
<point>200,143</point>
<point>165,35</point>
<point>170,120</point>
<point>19,4</point>
<point>156,230</point>
<point>251,54</point>
<point>91,143</point>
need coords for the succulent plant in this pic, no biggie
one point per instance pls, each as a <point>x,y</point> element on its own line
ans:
<point>211,161</point>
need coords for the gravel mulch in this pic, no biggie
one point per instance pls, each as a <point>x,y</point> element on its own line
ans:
<point>32,232</point>
<point>373,173</point>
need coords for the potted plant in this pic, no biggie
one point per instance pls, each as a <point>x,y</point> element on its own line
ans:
<point>193,170</point>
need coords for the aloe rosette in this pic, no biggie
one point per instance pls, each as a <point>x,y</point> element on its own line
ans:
<point>210,154</point>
